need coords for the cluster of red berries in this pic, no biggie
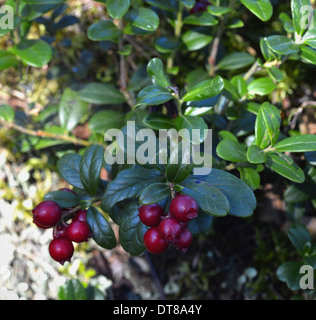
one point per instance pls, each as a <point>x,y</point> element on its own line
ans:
<point>200,5</point>
<point>48,214</point>
<point>170,228</point>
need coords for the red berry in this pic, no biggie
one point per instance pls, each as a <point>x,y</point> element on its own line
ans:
<point>46,214</point>
<point>78,231</point>
<point>80,215</point>
<point>60,231</point>
<point>184,208</point>
<point>153,241</point>
<point>184,241</point>
<point>61,249</point>
<point>170,229</point>
<point>150,214</point>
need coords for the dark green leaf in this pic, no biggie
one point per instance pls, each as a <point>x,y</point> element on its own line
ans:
<point>196,39</point>
<point>117,8</point>
<point>102,232</point>
<point>169,5</point>
<point>153,95</point>
<point>7,60</point>
<point>236,60</point>
<point>105,120</point>
<point>72,290</point>
<point>128,184</point>
<point>299,236</point>
<point>200,19</point>
<point>63,198</point>
<point>103,30</point>
<point>154,193</point>
<point>308,54</point>
<point>158,121</point>
<point>250,176</point>
<point>143,18</point>
<point>298,14</point>
<point>90,168</point>
<point>289,272</point>
<point>68,168</point>
<point>201,224</point>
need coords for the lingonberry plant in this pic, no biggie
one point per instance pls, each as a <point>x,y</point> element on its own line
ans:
<point>223,65</point>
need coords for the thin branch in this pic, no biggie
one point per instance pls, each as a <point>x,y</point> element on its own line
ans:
<point>44,134</point>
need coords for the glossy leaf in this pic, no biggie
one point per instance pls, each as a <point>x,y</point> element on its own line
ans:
<point>103,30</point>
<point>117,8</point>
<point>154,193</point>
<point>256,155</point>
<point>299,143</point>
<point>64,199</point>
<point>236,60</point>
<point>261,86</point>
<point>196,39</point>
<point>231,151</point>
<point>200,19</point>
<point>205,89</point>
<point>156,73</point>
<point>90,168</point>
<point>102,232</point>
<point>282,45</point>
<point>298,14</point>
<point>261,8</point>
<point>143,18</point>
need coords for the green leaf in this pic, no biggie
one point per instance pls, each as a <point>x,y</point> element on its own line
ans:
<point>209,198</point>
<point>102,232</point>
<point>103,30</point>
<point>267,125</point>
<point>143,18</point>
<point>166,44</point>
<point>250,176</point>
<point>117,8</point>
<point>63,198</point>
<point>299,236</point>
<point>308,54</point>
<point>7,60</point>
<point>242,205</point>
<point>101,93</point>
<point>205,89</point>
<point>299,143</point>
<point>218,10</point>
<point>201,224</point>
<point>154,193</point>
<point>261,86</point>
<point>309,37</point>
<point>90,168</point>
<point>241,85</point>
<point>231,150</point>
<point>158,121</point>
<point>200,19</point>
<point>7,113</point>
<point>132,230</point>
<point>256,155</point>
<point>72,290</point>
<point>282,45</point>
<point>188,3</point>
<point>282,166</point>
<point>128,184</point>
<point>267,52</point>
<point>105,120</point>
<point>71,109</point>
<point>35,53</point>
<point>68,168</point>
<point>153,95</point>
<point>276,74</point>
<point>196,39</point>
<point>236,60</point>
<point>298,14</point>
<point>287,22</point>
<point>165,4</point>
<point>156,73</point>
<point>261,8</point>
<point>191,123</point>
<point>179,165</point>
<point>289,272</point>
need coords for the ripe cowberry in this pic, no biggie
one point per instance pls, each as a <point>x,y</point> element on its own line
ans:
<point>80,215</point>
<point>61,249</point>
<point>150,214</point>
<point>153,241</point>
<point>184,241</point>
<point>170,229</point>
<point>46,214</point>
<point>78,231</point>
<point>184,208</point>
